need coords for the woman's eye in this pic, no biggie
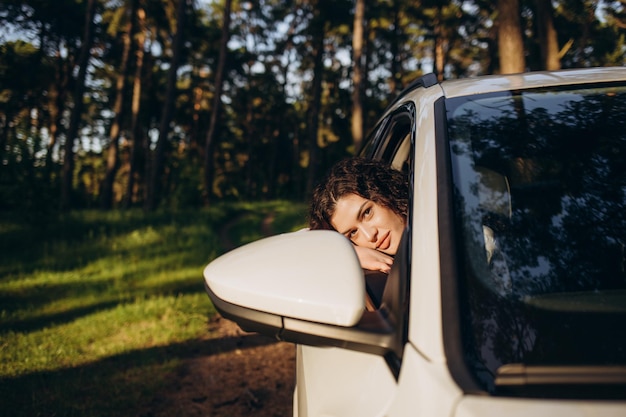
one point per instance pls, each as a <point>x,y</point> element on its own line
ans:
<point>367,211</point>
<point>351,233</point>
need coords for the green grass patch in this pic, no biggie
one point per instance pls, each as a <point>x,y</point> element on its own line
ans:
<point>102,307</point>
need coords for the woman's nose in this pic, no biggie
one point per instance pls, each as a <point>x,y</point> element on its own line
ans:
<point>369,233</point>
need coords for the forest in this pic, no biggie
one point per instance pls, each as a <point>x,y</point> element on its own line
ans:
<point>116,104</point>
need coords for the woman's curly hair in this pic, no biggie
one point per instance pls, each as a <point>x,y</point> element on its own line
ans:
<point>371,179</point>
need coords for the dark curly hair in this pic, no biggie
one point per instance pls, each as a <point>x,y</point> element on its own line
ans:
<point>371,179</point>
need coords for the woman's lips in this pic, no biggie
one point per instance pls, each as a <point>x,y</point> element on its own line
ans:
<point>384,242</point>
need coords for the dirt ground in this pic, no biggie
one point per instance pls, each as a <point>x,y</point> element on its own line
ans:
<point>240,374</point>
<point>244,374</point>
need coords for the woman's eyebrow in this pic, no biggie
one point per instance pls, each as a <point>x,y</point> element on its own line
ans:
<point>359,215</point>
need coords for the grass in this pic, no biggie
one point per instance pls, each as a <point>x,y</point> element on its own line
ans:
<point>102,307</point>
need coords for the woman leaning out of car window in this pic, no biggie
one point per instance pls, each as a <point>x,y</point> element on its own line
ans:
<point>366,201</point>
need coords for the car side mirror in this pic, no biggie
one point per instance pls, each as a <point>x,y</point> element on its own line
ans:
<point>303,287</point>
<point>308,275</point>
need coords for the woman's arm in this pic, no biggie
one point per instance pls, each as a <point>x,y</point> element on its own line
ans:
<point>373,260</point>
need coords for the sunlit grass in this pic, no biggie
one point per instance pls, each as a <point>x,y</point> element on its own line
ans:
<point>105,305</point>
<point>144,323</point>
<point>109,267</point>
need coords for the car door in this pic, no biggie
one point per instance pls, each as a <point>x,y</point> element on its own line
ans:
<point>333,381</point>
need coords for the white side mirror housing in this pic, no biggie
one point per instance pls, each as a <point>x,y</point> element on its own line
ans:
<point>307,275</point>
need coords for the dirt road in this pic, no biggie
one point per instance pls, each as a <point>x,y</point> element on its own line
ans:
<point>243,375</point>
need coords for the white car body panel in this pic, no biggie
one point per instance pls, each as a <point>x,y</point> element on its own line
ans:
<point>425,312</point>
<point>350,384</point>
<point>474,406</point>
<point>425,388</point>
<point>538,79</point>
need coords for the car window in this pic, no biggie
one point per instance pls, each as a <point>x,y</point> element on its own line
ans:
<point>540,195</point>
<point>391,139</point>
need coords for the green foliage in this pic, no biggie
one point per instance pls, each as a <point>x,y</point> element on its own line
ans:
<point>97,309</point>
<point>263,137</point>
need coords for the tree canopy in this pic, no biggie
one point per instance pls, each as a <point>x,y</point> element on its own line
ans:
<point>174,103</point>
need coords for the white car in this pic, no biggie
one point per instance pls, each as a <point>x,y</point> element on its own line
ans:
<point>508,293</point>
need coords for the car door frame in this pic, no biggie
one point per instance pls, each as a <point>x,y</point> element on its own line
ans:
<point>393,140</point>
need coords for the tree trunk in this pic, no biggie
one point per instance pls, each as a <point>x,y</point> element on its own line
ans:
<point>112,162</point>
<point>195,95</point>
<point>4,133</point>
<point>135,130</point>
<point>154,186</point>
<point>548,41</point>
<point>314,110</point>
<point>72,133</point>
<point>217,104</point>
<point>56,101</point>
<point>251,133</point>
<point>396,61</point>
<point>365,71</point>
<point>439,45</point>
<point>510,43</point>
<point>357,75</point>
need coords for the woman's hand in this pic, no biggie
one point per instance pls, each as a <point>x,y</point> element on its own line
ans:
<point>373,260</point>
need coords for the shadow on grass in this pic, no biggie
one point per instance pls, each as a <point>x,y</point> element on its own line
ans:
<point>113,386</point>
<point>38,323</point>
<point>14,302</point>
<point>71,241</point>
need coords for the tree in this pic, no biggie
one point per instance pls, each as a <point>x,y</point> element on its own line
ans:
<point>396,59</point>
<point>217,102</point>
<point>357,74</point>
<point>547,36</point>
<point>154,185</point>
<point>510,43</point>
<point>135,131</point>
<point>57,95</point>
<point>317,41</point>
<point>112,161</point>
<point>79,90</point>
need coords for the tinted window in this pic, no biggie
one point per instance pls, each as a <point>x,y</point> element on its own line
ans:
<point>391,140</point>
<point>540,192</point>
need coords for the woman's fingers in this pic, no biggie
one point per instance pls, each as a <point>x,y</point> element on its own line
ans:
<point>373,259</point>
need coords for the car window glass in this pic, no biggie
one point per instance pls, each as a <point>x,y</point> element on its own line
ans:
<point>391,140</point>
<point>540,193</point>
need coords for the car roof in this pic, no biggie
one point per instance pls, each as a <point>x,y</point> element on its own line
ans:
<point>538,79</point>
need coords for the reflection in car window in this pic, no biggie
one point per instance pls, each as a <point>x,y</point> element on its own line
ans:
<point>540,195</point>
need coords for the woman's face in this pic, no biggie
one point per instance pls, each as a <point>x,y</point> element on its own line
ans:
<point>368,224</point>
